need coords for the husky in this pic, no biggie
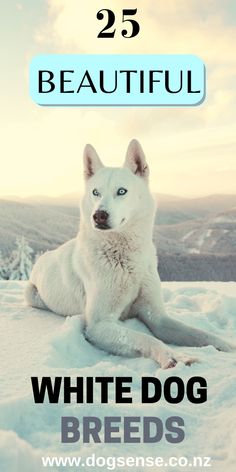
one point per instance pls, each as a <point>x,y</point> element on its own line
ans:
<point>109,273</point>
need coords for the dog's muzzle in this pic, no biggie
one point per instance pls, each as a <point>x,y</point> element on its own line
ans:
<point>100,218</point>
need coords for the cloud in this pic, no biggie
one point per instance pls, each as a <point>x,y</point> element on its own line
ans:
<point>194,27</point>
<point>45,156</point>
<point>168,26</point>
<point>190,150</point>
<point>19,6</point>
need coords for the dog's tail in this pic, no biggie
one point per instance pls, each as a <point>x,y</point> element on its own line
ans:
<point>33,298</point>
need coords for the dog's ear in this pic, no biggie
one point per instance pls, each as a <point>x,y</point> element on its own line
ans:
<point>91,161</point>
<point>135,160</point>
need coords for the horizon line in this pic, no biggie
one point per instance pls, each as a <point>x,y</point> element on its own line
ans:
<point>79,194</point>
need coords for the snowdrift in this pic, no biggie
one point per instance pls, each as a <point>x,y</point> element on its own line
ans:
<point>38,343</point>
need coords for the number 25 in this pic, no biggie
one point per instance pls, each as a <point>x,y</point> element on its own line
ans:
<point>111,21</point>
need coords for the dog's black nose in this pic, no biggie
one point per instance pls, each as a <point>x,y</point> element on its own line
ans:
<point>100,217</point>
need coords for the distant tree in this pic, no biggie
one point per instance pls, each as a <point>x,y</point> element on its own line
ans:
<point>3,267</point>
<point>21,260</point>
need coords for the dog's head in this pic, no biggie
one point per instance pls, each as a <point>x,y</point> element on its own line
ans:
<point>114,196</point>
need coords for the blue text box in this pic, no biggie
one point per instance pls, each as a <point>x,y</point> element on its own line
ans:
<point>117,80</point>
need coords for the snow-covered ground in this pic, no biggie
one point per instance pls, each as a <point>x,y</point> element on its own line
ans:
<point>37,343</point>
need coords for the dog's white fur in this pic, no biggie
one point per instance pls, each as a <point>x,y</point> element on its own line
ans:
<point>110,275</point>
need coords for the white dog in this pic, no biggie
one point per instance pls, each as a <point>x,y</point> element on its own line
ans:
<point>109,272</point>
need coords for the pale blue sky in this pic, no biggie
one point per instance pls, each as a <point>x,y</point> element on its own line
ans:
<point>17,25</point>
<point>190,151</point>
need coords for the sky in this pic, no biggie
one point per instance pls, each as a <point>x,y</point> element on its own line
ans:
<point>191,151</point>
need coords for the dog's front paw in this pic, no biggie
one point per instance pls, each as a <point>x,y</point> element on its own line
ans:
<point>170,360</point>
<point>169,363</point>
<point>167,360</point>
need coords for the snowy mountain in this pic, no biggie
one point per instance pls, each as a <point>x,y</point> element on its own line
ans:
<point>184,229</point>
<point>212,235</point>
<point>44,226</point>
<point>184,225</point>
<point>177,210</point>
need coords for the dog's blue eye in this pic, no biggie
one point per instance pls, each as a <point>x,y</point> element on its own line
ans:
<point>122,191</point>
<point>95,192</point>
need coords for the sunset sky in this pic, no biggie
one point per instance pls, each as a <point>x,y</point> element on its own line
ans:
<point>191,151</point>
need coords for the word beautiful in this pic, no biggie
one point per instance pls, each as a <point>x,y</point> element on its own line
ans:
<point>127,81</point>
<point>117,80</point>
<point>103,390</point>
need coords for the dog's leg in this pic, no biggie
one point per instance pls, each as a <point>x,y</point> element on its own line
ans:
<point>175,332</point>
<point>150,310</point>
<point>116,338</point>
<point>33,298</point>
<point>106,331</point>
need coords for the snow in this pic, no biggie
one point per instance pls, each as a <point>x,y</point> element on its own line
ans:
<point>202,238</point>
<point>193,250</point>
<point>187,236</point>
<point>209,233</point>
<point>224,219</point>
<point>38,343</point>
